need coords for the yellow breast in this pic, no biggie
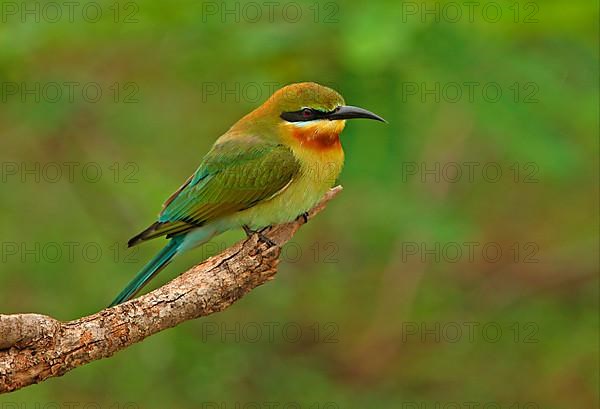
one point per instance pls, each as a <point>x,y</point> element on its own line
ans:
<point>318,150</point>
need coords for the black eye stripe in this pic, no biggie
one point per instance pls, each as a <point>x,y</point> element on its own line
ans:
<point>305,114</point>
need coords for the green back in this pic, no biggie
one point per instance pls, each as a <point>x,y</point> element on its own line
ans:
<point>235,175</point>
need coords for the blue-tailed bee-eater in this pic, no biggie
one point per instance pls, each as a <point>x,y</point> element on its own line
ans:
<point>270,167</point>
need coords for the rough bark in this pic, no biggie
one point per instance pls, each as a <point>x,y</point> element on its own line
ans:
<point>35,347</point>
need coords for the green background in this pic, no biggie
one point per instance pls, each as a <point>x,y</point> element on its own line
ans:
<point>378,322</point>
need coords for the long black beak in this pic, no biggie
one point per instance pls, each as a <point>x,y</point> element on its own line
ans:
<point>350,112</point>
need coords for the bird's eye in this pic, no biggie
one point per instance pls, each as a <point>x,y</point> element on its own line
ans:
<point>307,113</point>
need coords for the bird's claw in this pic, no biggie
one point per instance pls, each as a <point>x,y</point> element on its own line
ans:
<point>249,232</point>
<point>304,217</point>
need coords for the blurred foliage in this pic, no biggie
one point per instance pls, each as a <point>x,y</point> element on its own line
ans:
<point>351,265</point>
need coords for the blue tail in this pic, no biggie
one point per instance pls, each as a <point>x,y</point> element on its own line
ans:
<point>150,270</point>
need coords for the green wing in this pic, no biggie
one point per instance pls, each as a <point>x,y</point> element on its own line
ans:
<point>233,176</point>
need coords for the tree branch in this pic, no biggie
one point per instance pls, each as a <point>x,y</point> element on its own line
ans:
<point>35,347</point>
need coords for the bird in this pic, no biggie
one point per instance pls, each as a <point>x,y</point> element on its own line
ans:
<point>270,167</point>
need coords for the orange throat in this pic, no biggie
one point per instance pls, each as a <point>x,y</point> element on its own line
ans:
<point>319,136</point>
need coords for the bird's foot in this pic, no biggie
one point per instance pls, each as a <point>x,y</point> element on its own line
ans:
<point>249,232</point>
<point>304,217</point>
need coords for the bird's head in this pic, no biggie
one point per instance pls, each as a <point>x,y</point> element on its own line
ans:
<point>309,113</point>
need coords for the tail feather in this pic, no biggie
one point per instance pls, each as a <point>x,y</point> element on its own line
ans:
<point>159,229</point>
<point>150,270</point>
